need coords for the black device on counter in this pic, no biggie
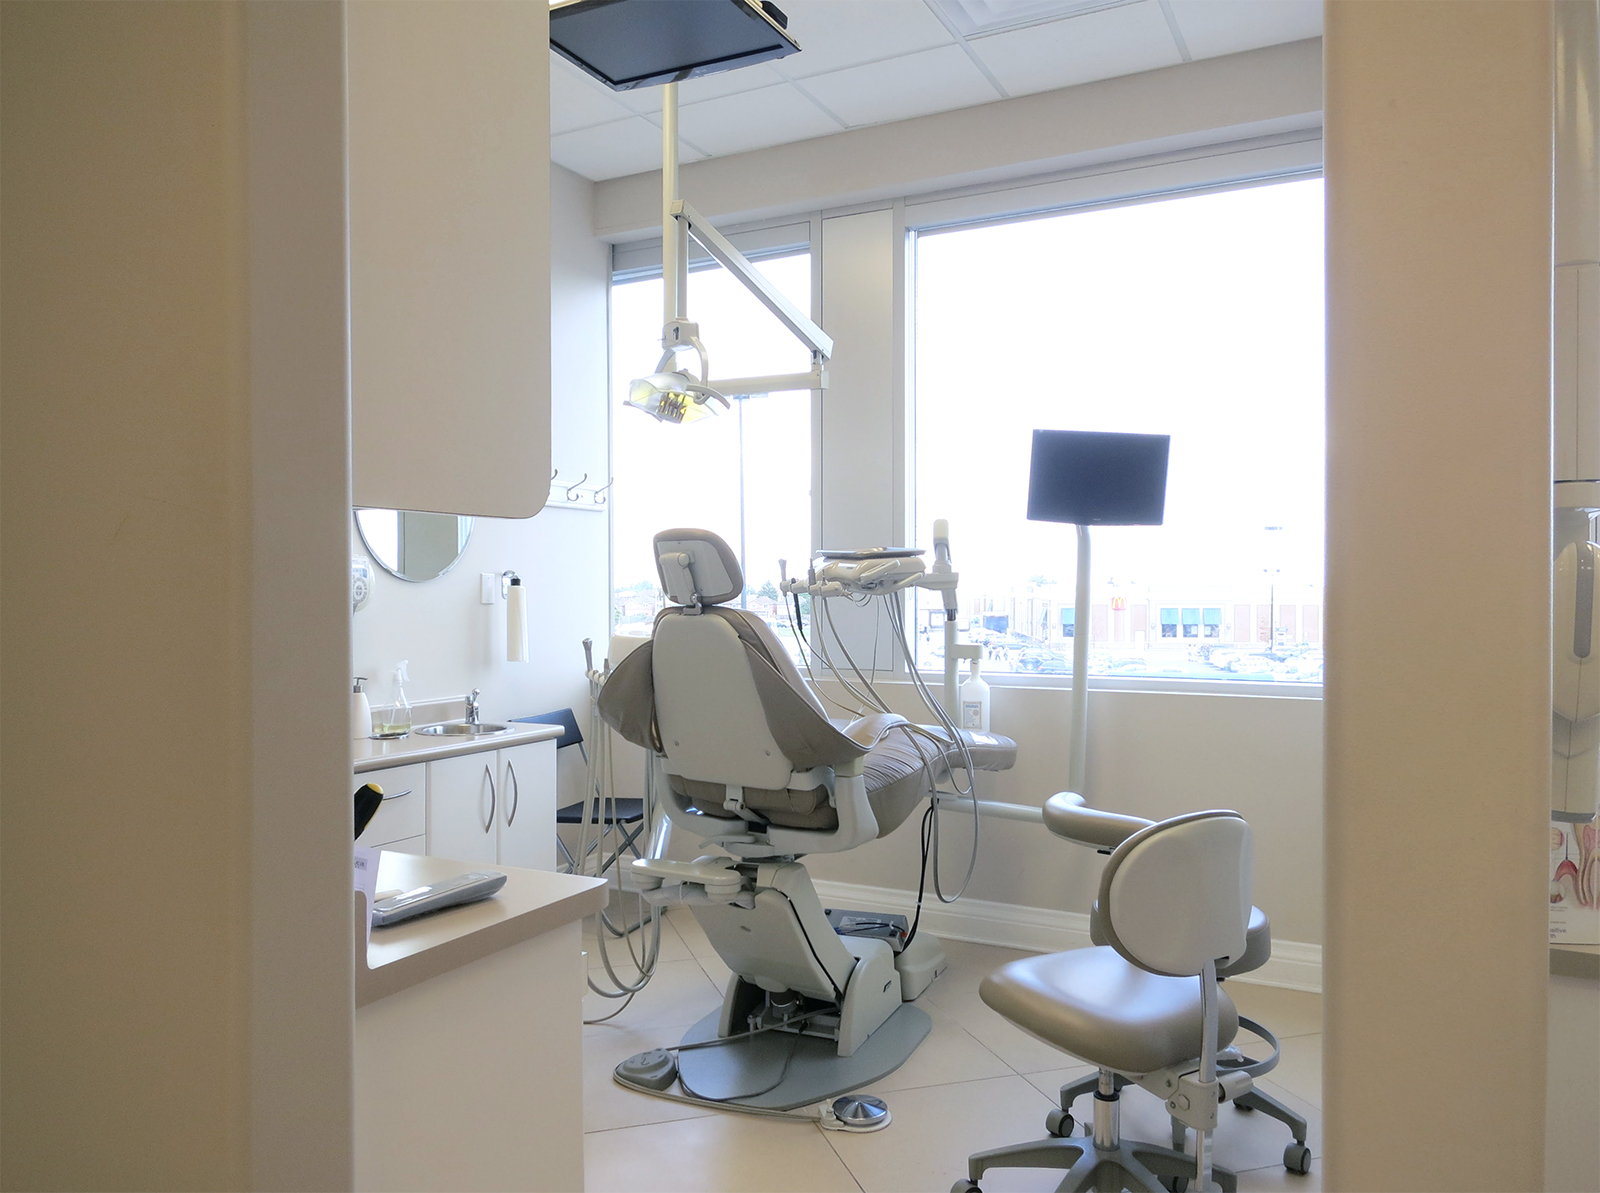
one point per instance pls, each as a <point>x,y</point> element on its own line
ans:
<point>369,798</point>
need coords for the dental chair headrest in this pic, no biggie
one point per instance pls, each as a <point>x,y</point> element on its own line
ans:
<point>697,567</point>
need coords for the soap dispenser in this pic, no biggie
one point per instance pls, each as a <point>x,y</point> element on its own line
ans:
<point>394,718</point>
<point>360,711</point>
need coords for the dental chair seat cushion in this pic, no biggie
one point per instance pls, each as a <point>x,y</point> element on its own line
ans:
<point>1257,942</point>
<point>1093,1005</point>
<point>896,783</point>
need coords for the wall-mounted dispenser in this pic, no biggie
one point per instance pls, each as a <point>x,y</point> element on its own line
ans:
<point>516,617</point>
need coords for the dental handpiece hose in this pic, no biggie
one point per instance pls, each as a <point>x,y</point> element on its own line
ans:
<point>941,566</point>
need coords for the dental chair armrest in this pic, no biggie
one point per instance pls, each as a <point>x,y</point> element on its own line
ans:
<point>867,731</point>
<point>1066,816</point>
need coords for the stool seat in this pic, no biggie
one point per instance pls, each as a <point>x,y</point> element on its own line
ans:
<point>1094,1005</point>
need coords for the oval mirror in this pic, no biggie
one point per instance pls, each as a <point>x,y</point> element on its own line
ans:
<point>414,546</point>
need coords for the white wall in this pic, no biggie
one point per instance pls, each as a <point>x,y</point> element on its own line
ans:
<point>455,643</point>
<point>1150,754</point>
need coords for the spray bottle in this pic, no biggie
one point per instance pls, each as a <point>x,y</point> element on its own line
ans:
<point>974,700</point>
<point>394,718</point>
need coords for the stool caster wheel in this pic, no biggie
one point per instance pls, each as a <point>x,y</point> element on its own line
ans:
<point>1243,1109</point>
<point>1059,1123</point>
<point>965,1186</point>
<point>1174,1184</point>
<point>1297,1158</point>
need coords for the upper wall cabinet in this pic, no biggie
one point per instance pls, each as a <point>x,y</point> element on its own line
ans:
<point>449,110</point>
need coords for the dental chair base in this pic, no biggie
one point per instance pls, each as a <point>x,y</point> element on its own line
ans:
<point>782,1070</point>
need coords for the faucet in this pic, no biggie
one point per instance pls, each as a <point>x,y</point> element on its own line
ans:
<point>472,707</point>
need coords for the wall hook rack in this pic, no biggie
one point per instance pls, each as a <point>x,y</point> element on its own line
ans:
<point>575,496</point>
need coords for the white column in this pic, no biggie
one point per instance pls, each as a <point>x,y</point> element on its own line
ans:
<point>1438,592</point>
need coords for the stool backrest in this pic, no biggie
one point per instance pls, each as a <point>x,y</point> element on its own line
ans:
<point>571,735</point>
<point>1177,894</point>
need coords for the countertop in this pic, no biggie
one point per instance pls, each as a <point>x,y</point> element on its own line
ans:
<point>1575,960</point>
<point>531,903</point>
<point>369,755</point>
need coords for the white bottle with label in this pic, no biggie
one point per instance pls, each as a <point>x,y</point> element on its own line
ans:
<point>360,711</point>
<point>974,702</point>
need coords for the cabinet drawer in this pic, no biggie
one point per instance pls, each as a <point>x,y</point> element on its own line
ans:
<point>404,812</point>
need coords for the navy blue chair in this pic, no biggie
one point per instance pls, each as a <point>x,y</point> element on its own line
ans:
<point>629,813</point>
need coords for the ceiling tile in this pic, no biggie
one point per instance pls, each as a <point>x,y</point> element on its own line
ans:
<point>1097,45</point>
<point>1214,27</point>
<point>612,150</point>
<point>729,82</point>
<point>834,34</point>
<point>753,120</point>
<point>576,100</point>
<point>914,85</point>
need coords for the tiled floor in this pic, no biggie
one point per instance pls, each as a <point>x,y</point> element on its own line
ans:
<point>975,1082</point>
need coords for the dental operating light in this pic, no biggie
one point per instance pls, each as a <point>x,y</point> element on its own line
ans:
<point>672,394</point>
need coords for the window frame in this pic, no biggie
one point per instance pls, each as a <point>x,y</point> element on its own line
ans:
<point>1263,162</point>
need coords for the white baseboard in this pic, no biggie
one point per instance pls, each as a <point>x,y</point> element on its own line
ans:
<point>1294,966</point>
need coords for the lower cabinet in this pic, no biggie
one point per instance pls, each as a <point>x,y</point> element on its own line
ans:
<point>403,815</point>
<point>495,806</point>
<point>464,807</point>
<point>528,806</point>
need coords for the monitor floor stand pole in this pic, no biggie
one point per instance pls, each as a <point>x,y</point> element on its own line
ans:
<point>1080,669</point>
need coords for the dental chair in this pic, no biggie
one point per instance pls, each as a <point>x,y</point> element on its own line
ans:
<point>1145,1007</point>
<point>746,759</point>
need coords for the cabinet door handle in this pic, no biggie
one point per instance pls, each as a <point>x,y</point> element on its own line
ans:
<point>493,799</point>
<point>516,793</point>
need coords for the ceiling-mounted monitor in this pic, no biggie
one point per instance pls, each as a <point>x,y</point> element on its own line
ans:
<point>1098,478</point>
<point>640,43</point>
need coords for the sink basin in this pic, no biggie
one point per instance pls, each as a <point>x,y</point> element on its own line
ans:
<point>462,729</point>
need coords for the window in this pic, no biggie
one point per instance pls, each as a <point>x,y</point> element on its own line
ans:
<point>745,474</point>
<point>1197,315</point>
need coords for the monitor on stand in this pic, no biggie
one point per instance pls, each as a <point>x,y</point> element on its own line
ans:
<point>1094,478</point>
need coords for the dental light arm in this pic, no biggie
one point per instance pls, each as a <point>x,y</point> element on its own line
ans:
<point>674,395</point>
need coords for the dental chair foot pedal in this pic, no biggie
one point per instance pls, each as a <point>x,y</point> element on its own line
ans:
<point>654,1070</point>
<point>872,925</point>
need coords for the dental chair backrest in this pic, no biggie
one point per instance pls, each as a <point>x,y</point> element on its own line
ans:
<point>732,714</point>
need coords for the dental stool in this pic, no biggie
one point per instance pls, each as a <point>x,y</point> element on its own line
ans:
<point>1106,830</point>
<point>1175,901</point>
<point>746,759</point>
